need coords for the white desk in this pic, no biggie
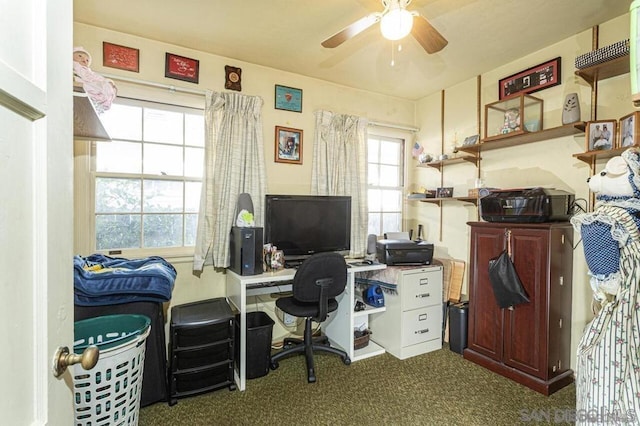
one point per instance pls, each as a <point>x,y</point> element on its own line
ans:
<point>338,327</point>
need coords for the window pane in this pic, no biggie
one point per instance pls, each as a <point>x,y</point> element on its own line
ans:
<point>162,160</point>
<point>119,157</point>
<point>192,196</point>
<point>117,231</point>
<point>117,195</point>
<point>162,230</point>
<point>163,126</point>
<point>193,162</point>
<point>374,224</point>
<point>373,150</point>
<point>162,196</point>
<point>391,222</point>
<point>194,129</point>
<point>375,199</point>
<point>190,229</point>
<point>389,152</point>
<point>123,121</point>
<point>389,176</point>
<point>374,174</point>
<point>391,201</point>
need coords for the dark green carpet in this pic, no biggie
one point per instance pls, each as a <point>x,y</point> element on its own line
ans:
<point>438,388</point>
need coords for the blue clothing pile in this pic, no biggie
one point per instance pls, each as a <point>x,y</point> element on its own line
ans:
<point>100,280</point>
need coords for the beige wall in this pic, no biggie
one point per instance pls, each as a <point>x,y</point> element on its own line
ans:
<point>545,163</point>
<point>256,80</point>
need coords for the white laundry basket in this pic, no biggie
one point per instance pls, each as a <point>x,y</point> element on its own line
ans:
<point>109,393</point>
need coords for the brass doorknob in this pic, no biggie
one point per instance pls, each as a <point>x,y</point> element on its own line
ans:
<point>63,359</point>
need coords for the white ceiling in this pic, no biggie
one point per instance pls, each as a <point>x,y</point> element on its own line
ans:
<point>286,35</point>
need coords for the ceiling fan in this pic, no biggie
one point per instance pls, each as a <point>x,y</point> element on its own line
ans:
<point>396,22</point>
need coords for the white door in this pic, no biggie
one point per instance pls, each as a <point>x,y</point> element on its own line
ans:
<point>36,214</point>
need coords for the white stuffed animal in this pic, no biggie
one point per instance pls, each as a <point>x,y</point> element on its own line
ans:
<point>613,180</point>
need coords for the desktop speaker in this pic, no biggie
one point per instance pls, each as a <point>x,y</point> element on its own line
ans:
<point>245,247</point>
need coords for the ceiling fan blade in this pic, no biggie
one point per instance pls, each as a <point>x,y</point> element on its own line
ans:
<point>428,37</point>
<point>351,31</point>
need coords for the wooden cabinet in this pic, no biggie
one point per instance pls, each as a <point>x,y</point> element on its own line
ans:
<point>412,323</point>
<point>529,343</point>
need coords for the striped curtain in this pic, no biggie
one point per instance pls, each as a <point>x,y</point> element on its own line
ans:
<point>234,164</point>
<point>340,168</point>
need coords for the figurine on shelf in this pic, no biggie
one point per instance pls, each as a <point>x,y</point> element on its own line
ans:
<point>100,90</point>
<point>511,121</point>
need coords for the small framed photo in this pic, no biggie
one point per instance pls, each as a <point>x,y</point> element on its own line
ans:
<point>288,145</point>
<point>445,192</point>
<point>629,134</point>
<point>120,57</point>
<point>470,140</point>
<point>181,68</point>
<point>288,98</point>
<point>601,135</point>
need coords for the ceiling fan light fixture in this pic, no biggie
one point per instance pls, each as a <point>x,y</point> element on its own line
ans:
<point>396,24</point>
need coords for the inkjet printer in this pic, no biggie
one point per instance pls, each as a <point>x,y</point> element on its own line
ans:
<point>526,205</point>
<point>404,252</point>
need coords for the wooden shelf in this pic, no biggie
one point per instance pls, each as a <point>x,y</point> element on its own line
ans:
<point>591,75</point>
<point>612,68</point>
<point>525,138</point>
<point>474,159</point>
<point>86,123</point>
<point>438,201</point>
<point>591,156</point>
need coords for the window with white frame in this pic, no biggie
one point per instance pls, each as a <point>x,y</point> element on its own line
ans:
<point>147,180</point>
<point>385,186</point>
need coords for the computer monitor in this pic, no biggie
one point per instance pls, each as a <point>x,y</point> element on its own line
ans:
<point>301,225</point>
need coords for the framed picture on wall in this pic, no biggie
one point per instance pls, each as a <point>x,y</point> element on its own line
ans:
<point>629,134</point>
<point>531,80</point>
<point>120,57</point>
<point>288,145</point>
<point>601,135</point>
<point>288,98</point>
<point>181,68</point>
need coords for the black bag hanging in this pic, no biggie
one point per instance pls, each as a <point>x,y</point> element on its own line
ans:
<point>507,287</point>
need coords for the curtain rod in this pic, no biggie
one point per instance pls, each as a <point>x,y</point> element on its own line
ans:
<point>393,126</point>
<point>169,87</point>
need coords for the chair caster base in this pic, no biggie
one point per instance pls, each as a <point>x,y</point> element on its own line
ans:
<point>346,360</point>
<point>274,365</point>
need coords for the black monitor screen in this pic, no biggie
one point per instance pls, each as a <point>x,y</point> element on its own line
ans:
<point>302,225</point>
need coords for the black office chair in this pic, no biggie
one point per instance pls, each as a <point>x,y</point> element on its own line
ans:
<point>317,282</point>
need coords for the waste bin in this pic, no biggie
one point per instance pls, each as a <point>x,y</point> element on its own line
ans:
<point>258,343</point>
<point>458,315</point>
<point>110,392</point>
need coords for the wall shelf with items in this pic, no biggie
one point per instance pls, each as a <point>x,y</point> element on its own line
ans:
<point>474,159</point>
<point>590,157</point>
<point>593,75</point>
<point>609,69</point>
<point>439,201</point>
<point>526,137</point>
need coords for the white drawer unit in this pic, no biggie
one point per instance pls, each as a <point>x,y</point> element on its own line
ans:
<point>412,322</point>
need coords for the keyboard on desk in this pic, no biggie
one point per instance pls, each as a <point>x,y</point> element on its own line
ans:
<point>269,284</point>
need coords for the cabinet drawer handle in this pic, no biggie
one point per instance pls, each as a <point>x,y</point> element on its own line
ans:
<point>423,295</point>
<point>426,330</point>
